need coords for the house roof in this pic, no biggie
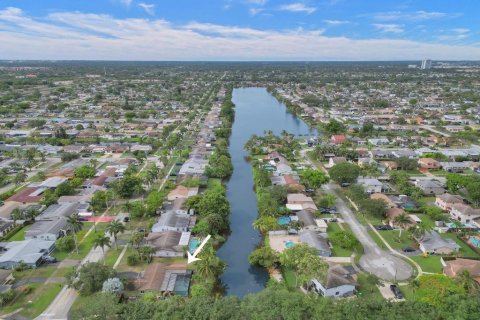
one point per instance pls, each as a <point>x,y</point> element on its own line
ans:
<point>454,267</point>
<point>432,241</point>
<point>450,198</point>
<point>28,251</point>
<point>168,240</point>
<point>25,196</point>
<point>315,240</point>
<point>306,217</point>
<point>338,276</point>
<point>173,220</point>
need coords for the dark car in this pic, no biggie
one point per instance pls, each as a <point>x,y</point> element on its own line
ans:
<point>310,190</point>
<point>396,291</point>
<point>383,227</point>
<point>126,219</point>
<point>49,259</point>
<point>408,249</point>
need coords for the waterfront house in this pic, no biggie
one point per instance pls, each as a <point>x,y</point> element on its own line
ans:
<point>339,282</point>
<point>168,243</point>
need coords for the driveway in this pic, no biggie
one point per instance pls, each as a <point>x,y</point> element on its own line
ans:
<point>374,260</point>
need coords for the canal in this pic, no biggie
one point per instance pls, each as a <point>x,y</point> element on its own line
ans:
<point>256,111</point>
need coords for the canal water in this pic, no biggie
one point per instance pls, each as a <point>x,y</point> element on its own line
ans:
<point>256,111</point>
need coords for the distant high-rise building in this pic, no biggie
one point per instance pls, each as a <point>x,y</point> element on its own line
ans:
<point>426,64</point>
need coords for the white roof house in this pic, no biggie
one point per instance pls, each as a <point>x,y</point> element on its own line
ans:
<point>28,251</point>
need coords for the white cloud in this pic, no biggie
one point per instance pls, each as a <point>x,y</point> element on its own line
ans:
<point>413,16</point>
<point>258,2</point>
<point>255,11</point>
<point>298,7</point>
<point>461,30</point>
<point>126,3</point>
<point>336,22</point>
<point>390,28</point>
<point>75,35</point>
<point>149,8</point>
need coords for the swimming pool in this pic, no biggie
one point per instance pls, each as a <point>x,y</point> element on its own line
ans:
<point>193,244</point>
<point>289,244</point>
<point>475,241</point>
<point>284,220</point>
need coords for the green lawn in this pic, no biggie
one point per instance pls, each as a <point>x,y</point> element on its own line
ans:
<point>338,251</point>
<point>33,298</point>
<point>377,240</point>
<point>41,272</point>
<point>289,277</point>
<point>368,289</point>
<point>20,234</point>
<point>391,236</point>
<point>84,246</point>
<point>429,263</point>
<point>214,182</point>
<point>465,251</point>
<point>112,255</point>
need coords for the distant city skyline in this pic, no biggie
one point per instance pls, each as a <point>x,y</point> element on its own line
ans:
<point>239,30</point>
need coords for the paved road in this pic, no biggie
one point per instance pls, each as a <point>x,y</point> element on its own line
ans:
<point>374,260</point>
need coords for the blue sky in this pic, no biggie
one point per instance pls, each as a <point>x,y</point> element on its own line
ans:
<point>240,29</point>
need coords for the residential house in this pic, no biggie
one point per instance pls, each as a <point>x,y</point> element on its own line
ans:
<point>5,226</point>
<point>430,187</point>
<point>338,139</point>
<point>371,185</point>
<point>389,165</point>
<point>455,166</point>
<point>51,224</point>
<point>176,220</point>
<point>453,268</point>
<point>29,252</point>
<point>316,240</point>
<point>181,192</point>
<point>168,243</point>
<point>380,196</point>
<point>464,213</point>
<point>432,243</point>
<point>299,201</point>
<point>165,279</point>
<point>339,282</point>
<point>447,200</point>
<point>336,160</point>
<point>429,164</point>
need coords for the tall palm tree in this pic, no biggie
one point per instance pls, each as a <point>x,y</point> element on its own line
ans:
<point>210,265</point>
<point>16,214</point>
<point>402,221</point>
<point>127,206</point>
<point>74,224</point>
<point>420,230</point>
<point>114,228</point>
<point>467,282</point>
<point>102,241</point>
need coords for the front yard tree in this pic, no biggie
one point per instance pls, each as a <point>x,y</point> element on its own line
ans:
<point>314,178</point>
<point>344,172</point>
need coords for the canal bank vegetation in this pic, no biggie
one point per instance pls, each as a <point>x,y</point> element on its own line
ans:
<point>277,302</point>
<point>213,208</point>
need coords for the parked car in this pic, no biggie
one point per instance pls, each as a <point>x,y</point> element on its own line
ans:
<point>396,291</point>
<point>333,220</point>
<point>49,259</point>
<point>126,219</point>
<point>383,227</point>
<point>408,249</point>
<point>310,190</point>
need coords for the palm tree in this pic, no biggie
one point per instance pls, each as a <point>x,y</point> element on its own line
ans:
<point>102,241</point>
<point>114,228</point>
<point>127,206</point>
<point>137,238</point>
<point>20,177</point>
<point>420,230</point>
<point>402,221</point>
<point>16,214</point>
<point>210,265</point>
<point>467,282</point>
<point>93,163</point>
<point>74,224</point>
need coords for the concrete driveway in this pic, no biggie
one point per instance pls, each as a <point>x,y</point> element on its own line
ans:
<point>374,260</point>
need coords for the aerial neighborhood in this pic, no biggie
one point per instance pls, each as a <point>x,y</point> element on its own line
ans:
<point>164,184</point>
